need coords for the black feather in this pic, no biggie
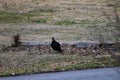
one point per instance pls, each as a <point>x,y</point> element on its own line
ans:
<point>55,45</point>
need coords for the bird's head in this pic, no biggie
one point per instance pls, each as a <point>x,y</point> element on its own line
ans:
<point>53,39</point>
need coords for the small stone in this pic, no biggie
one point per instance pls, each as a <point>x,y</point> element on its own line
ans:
<point>13,74</point>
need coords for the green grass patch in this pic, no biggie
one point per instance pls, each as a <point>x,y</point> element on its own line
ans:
<point>86,21</point>
<point>9,17</point>
<point>41,21</point>
<point>65,22</point>
<point>43,10</point>
<point>13,17</point>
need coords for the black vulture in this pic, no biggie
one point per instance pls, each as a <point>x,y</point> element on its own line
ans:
<point>55,45</point>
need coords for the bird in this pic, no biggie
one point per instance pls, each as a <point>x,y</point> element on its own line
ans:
<point>55,45</point>
<point>16,39</point>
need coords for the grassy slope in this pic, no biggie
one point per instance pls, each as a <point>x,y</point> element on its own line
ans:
<point>49,11</point>
<point>81,20</point>
<point>84,17</point>
<point>15,63</point>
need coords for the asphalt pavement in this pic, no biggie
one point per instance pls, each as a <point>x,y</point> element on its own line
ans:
<point>90,74</point>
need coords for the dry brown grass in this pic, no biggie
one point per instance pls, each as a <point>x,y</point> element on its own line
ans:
<point>85,14</point>
<point>63,34</point>
<point>69,21</point>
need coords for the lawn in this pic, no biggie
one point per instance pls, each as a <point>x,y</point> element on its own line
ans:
<point>28,60</point>
<point>69,21</point>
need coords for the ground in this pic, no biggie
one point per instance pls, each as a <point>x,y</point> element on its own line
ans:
<point>72,21</point>
<point>92,74</point>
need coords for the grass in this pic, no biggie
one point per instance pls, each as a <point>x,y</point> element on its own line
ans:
<point>38,32</point>
<point>43,10</point>
<point>20,62</point>
<point>87,21</point>
<point>41,21</point>
<point>42,17</point>
<point>14,30</point>
<point>65,22</point>
<point>8,17</point>
<point>13,17</point>
<point>62,11</point>
<point>24,62</point>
